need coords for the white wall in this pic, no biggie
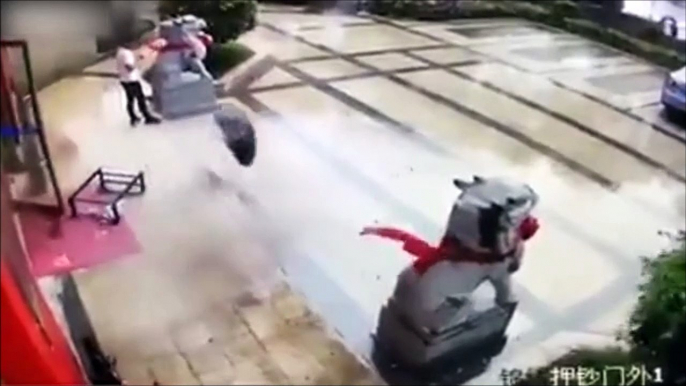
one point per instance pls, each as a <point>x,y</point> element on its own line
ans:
<point>62,34</point>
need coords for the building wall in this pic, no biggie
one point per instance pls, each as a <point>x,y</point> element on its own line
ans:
<point>64,36</point>
<point>34,348</point>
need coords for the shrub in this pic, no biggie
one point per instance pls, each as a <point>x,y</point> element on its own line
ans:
<point>223,57</point>
<point>656,327</point>
<point>532,12</point>
<point>388,7</point>
<point>652,34</point>
<point>226,19</point>
<point>562,9</point>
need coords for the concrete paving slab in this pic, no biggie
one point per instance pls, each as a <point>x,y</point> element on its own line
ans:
<point>250,373</point>
<point>220,377</point>
<point>135,371</point>
<point>541,42</point>
<point>296,20</point>
<point>602,70</point>
<point>190,337</point>
<point>323,226</point>
<point>262,320</point>
<point>448,126</point>
<point>246,348</point>
<point>340,369</point>
<point>268,42</point>
<point>455,125</point>
<point>565,52</point>
<point>296,362</point>
<point>480,32</point>
<point>545,129</point>
<point>291,306</point>
<point>654,113</point>
<point>607,325</point>
<point>450,33</point>
<point>274,77</point>
<point>630,83</point>
<point>564,274</point>
<point>634,134</point>
<point>464,22</point>
<point>538,64</point>
<point>449,55</point>
<point>330,68</point>
<point>624,100</point>
<point>361,39</point>
<point>103,67</point>
<point>520,324</point>
<point>390,62</point>
<point>209,359</point>
<point>172,370</point>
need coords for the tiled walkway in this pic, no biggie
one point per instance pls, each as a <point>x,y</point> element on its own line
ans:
<point>363,121</point>
<point>249,341</point>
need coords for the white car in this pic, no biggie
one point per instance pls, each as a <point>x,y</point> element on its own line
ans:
<point>674,94</point>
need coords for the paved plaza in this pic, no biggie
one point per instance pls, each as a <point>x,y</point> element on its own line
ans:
<point>359,121</point>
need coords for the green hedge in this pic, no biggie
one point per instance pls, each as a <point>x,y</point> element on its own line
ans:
<point>561,14</point>
<point>223,57</point>
<point>658,322</point>
<point>226,19</point>
<point>417,9</point>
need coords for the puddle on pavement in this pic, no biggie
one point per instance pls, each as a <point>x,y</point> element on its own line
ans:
<point>499,31</point>
<point>629,83</point>
<point>555,53</point>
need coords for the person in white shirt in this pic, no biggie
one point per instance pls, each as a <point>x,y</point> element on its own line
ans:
<point>130,78</point>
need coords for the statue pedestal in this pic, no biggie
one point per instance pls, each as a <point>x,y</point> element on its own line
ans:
<point>184,94</point>
<point>415,347</point>
<point>407,355</point>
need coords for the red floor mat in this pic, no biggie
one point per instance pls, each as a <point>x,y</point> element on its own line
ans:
<point>80,243</point>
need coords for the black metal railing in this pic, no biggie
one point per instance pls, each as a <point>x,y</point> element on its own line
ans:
<point>133,184</point>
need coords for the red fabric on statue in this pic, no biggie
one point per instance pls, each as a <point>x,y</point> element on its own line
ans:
<point>428,255</point>
<point>206,39</point>
<point>528,228</point>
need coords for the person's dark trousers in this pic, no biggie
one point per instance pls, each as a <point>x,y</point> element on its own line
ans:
<point>134,94</point>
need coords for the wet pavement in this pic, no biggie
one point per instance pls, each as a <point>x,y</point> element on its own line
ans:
<point>480,32</point>
<point>565,52</point>
<point>363,121</point>
<point>631,83</point>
